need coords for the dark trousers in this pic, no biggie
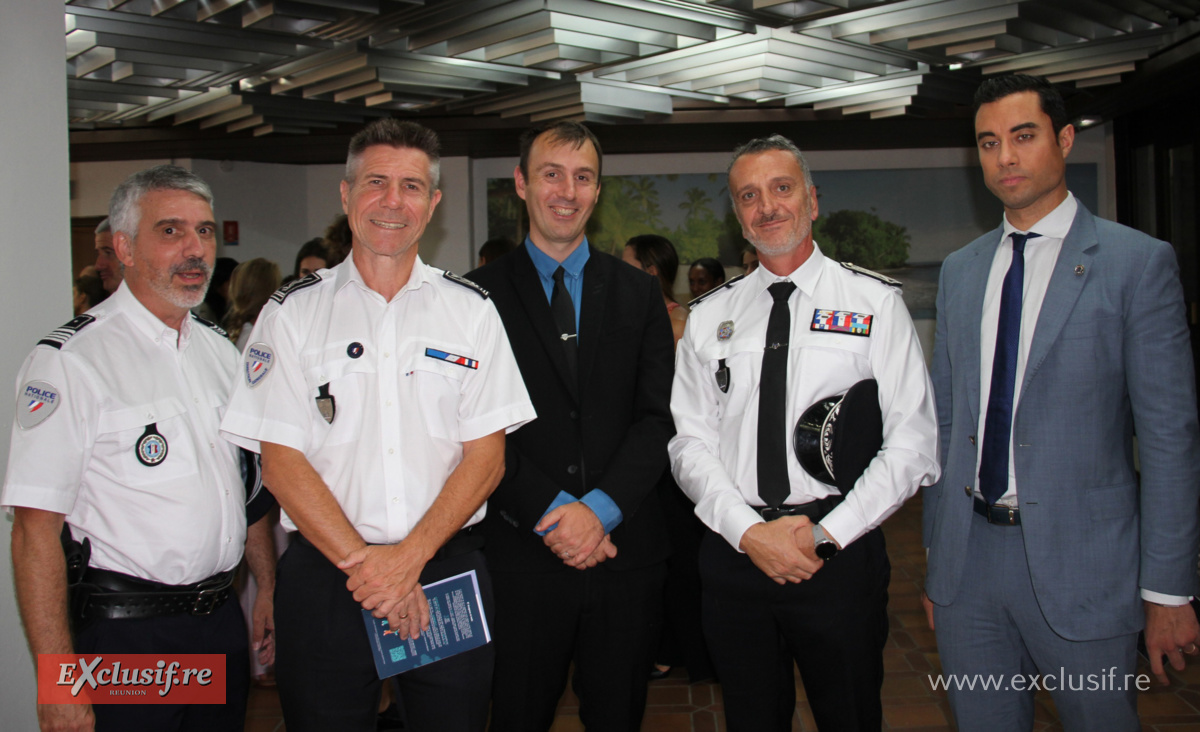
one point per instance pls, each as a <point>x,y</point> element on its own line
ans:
<point>683,635</point>
<point>224,631</point>
<point>324,668</point>
<point>833,626</point>
<point>606,622</point>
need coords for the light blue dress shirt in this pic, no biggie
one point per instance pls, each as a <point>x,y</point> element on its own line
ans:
<point>601,504</point>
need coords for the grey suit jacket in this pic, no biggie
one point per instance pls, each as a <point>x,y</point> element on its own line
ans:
<point>1110,352</point>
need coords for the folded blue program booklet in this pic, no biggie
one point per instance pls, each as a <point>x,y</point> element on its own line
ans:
<point>456,624</point>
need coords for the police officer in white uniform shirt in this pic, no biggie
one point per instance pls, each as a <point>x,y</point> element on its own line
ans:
<point>381,391</point>
<point>116,432</point>
<point>792,569</point>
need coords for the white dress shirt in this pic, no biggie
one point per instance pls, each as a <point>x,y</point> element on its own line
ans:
<point>176,521</point>
<point>715,450</point>
<point>1040,255</point>
<point>412,379</point>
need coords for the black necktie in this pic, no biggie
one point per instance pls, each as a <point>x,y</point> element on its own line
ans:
<point>564,318</point>
<point>773,483</point>
<point>997,426</point>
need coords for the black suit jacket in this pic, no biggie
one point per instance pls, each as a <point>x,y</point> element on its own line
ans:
<point>609,431</point>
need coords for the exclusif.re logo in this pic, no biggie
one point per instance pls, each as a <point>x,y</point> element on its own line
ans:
<point>131,678</point>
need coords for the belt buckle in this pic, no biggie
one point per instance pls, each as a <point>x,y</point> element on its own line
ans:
<point>993,513</point>
<point>770,513</point>
<point>206,602</point>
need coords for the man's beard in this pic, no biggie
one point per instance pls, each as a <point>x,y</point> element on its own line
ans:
<point>786,247</point>
<point>183,296</point>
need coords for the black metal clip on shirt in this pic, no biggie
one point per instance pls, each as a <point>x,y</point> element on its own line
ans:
<point>326,404</point>
<point>722,376</point>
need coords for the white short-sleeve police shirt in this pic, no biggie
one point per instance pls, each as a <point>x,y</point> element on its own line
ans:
<point>378,395</point>
<point>117,428</point>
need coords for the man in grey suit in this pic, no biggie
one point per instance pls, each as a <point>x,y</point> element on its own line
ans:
<point>1058,334</point>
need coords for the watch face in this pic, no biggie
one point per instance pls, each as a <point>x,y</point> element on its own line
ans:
<point>827,550</point>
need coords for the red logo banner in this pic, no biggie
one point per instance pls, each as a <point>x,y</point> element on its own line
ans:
<point>131,678</point>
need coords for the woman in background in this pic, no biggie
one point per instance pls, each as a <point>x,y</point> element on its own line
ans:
<point>704,275</point>
<point>655,255</point>
<point>311,257</point>
<point>250,287</point>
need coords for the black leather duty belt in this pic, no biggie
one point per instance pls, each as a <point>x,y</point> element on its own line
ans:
<point>814,510</point>
<point>998,514</point>
<point>466,540</point>
<point>117,596</point>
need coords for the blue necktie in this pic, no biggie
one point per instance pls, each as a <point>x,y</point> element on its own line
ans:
<point>997,429</point>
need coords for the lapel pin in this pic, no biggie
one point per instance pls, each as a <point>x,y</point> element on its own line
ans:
<point>1079,269</point>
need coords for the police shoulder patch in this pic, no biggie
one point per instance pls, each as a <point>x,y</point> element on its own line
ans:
<point>466,283</point>
<point>873,275</point>
<point>36,401</point>
<point>728,283</point>
<point>220,331</point>
<point>307,281</point>
<point>63,333</point>
<point>258,361</point>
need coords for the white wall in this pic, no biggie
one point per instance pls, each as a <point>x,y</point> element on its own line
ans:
<point>35,283</point>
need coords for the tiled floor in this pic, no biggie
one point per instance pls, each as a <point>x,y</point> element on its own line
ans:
<point>911,655</point>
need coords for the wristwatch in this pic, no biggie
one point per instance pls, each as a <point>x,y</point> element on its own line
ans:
<point>825,547</point>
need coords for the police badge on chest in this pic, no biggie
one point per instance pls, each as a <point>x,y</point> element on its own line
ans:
<point>151,448</point>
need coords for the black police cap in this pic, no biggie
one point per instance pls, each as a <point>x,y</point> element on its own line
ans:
<point>838,437</point>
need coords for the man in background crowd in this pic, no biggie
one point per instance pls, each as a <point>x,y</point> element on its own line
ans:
<point>108,267</point>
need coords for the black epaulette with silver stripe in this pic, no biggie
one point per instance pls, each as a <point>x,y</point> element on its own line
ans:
<point>63,333</point>
<point>728,283</point>
<point>466,283</point>
<point>306,281</point>
<point>873,275</point>
<point>220,331</point>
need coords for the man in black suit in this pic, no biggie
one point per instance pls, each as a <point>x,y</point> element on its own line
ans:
<point>574,532</point>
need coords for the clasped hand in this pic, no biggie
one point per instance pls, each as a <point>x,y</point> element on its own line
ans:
<point>783,549</point>
<point>383,579</point>
<point>578,539</point>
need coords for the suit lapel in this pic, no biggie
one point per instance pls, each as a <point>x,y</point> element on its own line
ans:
<point>1063,291</point>
<point>975,283</point>
<point>592,306</point>
<point>533,299</point>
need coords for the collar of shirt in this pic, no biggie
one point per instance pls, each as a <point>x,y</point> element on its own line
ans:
<point>1053,225</point>
<point>347,272</point>
<point>147,323</point>
<point>573,277</point>
<point>804,277</point>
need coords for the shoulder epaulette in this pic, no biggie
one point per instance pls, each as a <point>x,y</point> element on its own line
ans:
<point>466,283</point>
<point>873,275</point>
<point>306,281</point>
<point>220,331</point>
<point>728,283</point>
<point>63,333</point>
